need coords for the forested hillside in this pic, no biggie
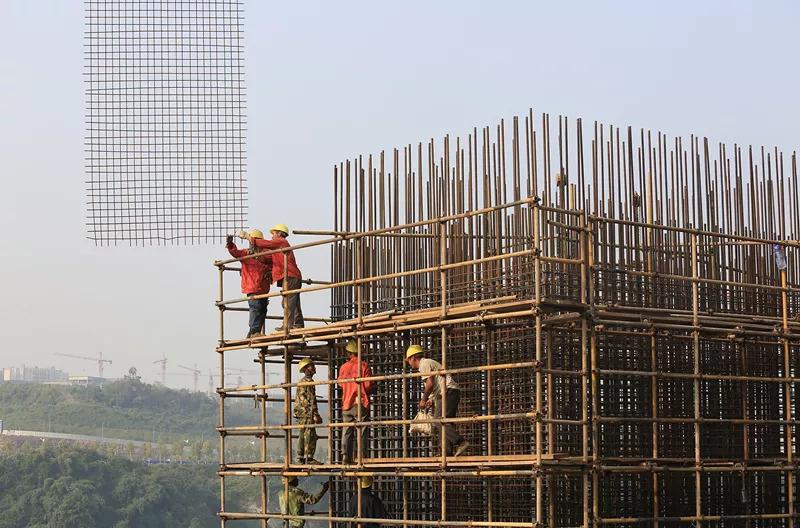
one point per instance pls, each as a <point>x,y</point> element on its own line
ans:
<point>68,487</point>
<point>126,409</point>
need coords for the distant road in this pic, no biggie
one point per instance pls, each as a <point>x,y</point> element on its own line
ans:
<point>75,437</point>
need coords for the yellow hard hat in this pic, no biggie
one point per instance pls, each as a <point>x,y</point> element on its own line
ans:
<point>413,350</point>
<point>352,346</point>
<point>304,363</point>
<point>256,233</point>
<point>283,228</point>
<point>366,481</point>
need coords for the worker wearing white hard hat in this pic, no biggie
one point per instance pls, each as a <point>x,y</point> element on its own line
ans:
<point>289,278</point>
<point>435,385</point>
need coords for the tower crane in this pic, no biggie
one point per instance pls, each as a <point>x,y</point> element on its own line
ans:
<point>163,362</point>
<point>99,360</point>
<point>196,373</point>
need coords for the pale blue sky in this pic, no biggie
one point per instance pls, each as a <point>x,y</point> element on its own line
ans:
<point>327,80</point>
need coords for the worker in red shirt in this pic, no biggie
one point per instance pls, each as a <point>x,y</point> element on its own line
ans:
<point>354,395</point>
<point>256,277</point>
<point>290,279</point>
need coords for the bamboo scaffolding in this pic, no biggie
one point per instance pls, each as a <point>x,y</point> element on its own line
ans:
<point>627,351</point>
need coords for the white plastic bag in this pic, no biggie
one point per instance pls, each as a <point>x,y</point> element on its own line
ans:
<point>422,424</point>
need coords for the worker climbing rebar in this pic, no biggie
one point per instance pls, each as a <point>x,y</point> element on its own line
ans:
<point>435,385</point>
<point>307,413</point>
<point>289,278</point>
<point>256,278</point>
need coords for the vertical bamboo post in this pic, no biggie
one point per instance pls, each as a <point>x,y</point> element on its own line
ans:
<point>360,315</point>
<point>331,387</point>
<point>595,384</point>
<point>696,372</point>
<point>787,395</point>
<point>584,367</point>
<point>287,413</point>
<point>444,343</point>
<point>264,434</point>
<point>331,349</point>
<point>220,298</point>
<point>536,211</point>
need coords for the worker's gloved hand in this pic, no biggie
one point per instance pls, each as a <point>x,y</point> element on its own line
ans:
<point>244,235</point>
<point>423,403</point>
<point>229,240</point>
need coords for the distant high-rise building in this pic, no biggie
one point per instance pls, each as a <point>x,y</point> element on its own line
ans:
<point>26,374</point>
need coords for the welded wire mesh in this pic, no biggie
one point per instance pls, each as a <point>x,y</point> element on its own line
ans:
<point>165,121</point>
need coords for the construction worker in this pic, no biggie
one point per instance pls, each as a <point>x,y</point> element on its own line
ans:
<point>307,413</point>
<point>297,501</point>
<point>256,277</point>
<point>354,396</point>
<point>289,279</point>
<point>432,396</point>
<point>371,505</point>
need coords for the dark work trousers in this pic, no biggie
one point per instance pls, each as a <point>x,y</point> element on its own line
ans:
<point>306,440</point>
<point>258,312</point>
<point>350,416</point>
<point>451,435</point>
<point>293,301</point>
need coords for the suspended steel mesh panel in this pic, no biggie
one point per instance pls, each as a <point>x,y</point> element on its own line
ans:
<point>165,122</point>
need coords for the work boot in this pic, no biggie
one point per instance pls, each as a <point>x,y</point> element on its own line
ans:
<point>301,460</point>
<point>255,335</point>
<point>461,448</point>
<point>313,462</point>
<point>347,461</point>
<point>279,328</point>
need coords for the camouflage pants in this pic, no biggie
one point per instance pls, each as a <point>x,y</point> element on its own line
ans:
<point>307,439</point>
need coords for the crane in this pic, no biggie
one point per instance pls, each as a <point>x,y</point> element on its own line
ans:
<point>99,360</point>
<point>196,373</point>
<point>163,362</point>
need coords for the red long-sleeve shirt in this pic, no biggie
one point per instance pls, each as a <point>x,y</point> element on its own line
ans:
<point>256,272</point>
<point>278,242</point>
<point>350,388</point>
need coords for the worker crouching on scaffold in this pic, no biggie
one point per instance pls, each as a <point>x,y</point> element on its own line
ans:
<point>256,277</point>
<point>307,413</point>
<point>432,396</point>
<point>289,279</point>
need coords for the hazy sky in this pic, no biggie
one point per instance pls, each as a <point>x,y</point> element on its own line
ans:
<point>327,80</point>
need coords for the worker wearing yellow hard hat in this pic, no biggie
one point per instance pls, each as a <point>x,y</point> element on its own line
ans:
<point>256,278</point>
<point>289,278</point>
<point>355,401</point>
<point>371,505</point>
<point>307,413</point>
<point>435,386</point>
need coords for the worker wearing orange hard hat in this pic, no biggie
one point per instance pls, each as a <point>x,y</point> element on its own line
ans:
<point>289,278</point>
<point>256,277</point>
